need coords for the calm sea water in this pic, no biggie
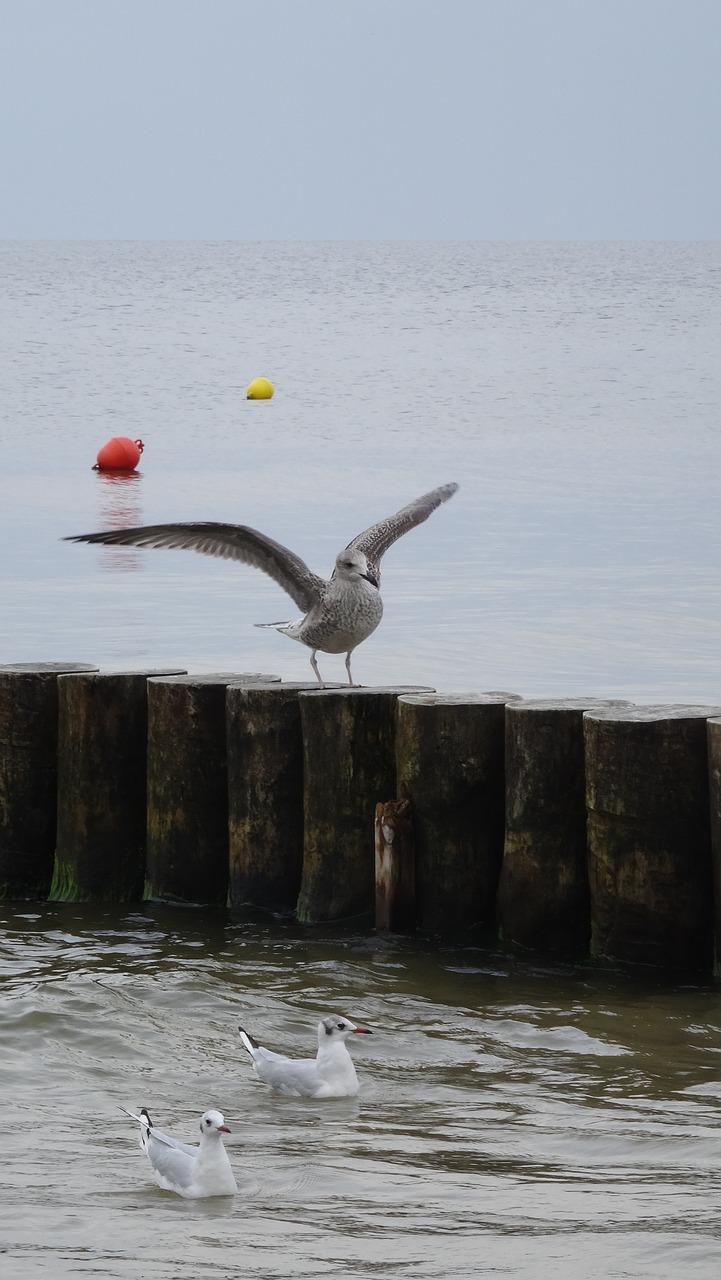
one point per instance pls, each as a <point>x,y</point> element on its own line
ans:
<point>515,1119</point>
<point>573,390</point>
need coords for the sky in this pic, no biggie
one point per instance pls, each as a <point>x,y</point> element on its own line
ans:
<point>360,119</point>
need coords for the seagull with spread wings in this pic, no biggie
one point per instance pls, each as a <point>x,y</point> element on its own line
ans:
<point>338,614</point>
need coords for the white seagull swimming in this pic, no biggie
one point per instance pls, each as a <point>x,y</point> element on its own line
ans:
<point>330,1074</point>
<point>191,1171</point>
<point>338,614</point>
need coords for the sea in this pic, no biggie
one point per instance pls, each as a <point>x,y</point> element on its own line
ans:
<point>517,1117</point>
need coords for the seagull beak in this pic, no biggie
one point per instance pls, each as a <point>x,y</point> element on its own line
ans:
<point>223,1128</point>
<point>362,1031</point>
<point>369,578</point>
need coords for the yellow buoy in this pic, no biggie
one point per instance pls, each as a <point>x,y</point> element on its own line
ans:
<point>260,389</point>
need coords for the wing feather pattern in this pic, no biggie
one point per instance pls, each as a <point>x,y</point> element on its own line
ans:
<point>376,540</point>
<point>229,542</point>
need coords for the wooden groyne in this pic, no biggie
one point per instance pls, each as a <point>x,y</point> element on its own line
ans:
<point>187,770</point>
<point>543,895</point>
<point>574,826</point>
<point>100,841</point>
<point>450,765</point>
<point>649,835</point>
<point>29,775</point>
<point>264,738</point>
<point>348,756</point>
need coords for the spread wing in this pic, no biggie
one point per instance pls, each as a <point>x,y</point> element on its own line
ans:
<point>374,542</point>
<point>229,542</point>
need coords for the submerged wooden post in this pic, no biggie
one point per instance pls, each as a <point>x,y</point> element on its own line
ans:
<point>450,764</point>
<point>543,895</point>
<point>395,867</point>
<point>713,727</point>
<point>348,765</point>
<point>265,794</point>
<point>102,751</point>
<point>187,858</point>
<point>649,835</point>
<point>28,775</point>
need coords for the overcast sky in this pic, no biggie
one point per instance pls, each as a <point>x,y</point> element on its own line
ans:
<point>360,119</point>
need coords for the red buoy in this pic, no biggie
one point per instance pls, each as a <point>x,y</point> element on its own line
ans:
<point>119,454</point>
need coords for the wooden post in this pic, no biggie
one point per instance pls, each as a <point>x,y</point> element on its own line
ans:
<point>348,766</point>
<point>714,772</point>
<point>102,751</point>
<point>187,858</point>
<point>649,836</point>
<point>543,896</point>
<point>265,794</point>
<point>395,867</point>
<point>28,775</point>
<point>450,764</point>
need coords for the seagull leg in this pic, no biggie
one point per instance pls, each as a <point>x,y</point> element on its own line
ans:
<point>314,665</point>
<point>347,667</point>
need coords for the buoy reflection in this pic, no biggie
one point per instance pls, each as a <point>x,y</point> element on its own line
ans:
<point>120,507</point>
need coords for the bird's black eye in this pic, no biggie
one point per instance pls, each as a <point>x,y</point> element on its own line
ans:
<point>341,1026</point>
<point>208,1123</point>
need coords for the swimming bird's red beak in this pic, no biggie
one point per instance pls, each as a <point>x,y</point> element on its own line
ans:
<point>223,1128</point>
<point>362,1031</point>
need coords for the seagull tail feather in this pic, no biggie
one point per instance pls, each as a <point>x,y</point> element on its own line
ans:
<point>248,1042</point>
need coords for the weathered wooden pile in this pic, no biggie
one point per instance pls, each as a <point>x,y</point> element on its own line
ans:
<point>576,826</point>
